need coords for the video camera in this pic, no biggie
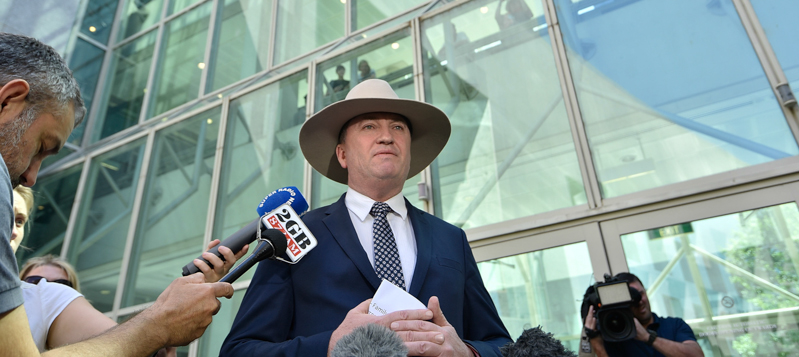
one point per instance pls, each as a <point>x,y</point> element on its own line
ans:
<point>612,301</point>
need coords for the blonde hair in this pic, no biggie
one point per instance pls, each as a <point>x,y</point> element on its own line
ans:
<point>55,261</point>
<point>27,195</point>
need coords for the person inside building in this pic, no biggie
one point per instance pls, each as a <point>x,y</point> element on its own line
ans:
<point>655,335</point>
<point>516,12</point>
<point>372,141</point>
<point>40,105</point>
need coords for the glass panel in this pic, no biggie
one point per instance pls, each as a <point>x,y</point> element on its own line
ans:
<point>214,336</point>
<point>98,241</point>
<point>367,12</point>
<point>241,44</point>
<point>543,288</point>
<point>175,6</point>
<point>54,196</point>
<point>126,87</point>
<point>511,152</point>
<point>732,278</point>
<point>98,19</point>
<point>778,18</point>
<point>262,151</point>
<point>182,59</point>
<point>670,101</point>
<point>389,58</point>
<point>85,63</point>
<point>303,25</point>
<point>171,224</point>
<point>139,15</point>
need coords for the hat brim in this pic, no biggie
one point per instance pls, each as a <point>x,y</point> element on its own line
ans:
<point>430,130</point>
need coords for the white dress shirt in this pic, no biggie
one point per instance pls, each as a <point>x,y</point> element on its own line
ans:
<point>359,207</point>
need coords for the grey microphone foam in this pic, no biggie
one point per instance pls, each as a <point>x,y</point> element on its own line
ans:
<point>370,340</point>
<point>535,342</point>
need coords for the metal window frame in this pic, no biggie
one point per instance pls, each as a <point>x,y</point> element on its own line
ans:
<point>613,229</point>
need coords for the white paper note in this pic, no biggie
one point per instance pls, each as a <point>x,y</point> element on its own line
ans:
<point>390,298</point>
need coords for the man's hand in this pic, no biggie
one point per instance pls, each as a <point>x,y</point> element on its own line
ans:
<point>360,316</point>
<point>220,267</point>
<point>597,345</point>
<point>641,334</point>
<point>431,338</point>
<point>185,308</point>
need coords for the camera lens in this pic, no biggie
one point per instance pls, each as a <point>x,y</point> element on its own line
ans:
<point>615,323</point>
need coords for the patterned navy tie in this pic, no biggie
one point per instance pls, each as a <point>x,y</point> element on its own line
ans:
<point>387,260</point>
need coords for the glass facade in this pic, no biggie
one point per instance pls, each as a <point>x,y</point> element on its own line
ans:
<point>563,112</point>
<point>98,243</point>
<point>732,278</point>
<point>127,83</point>
<point>182,60</point>
<point>662,106</point>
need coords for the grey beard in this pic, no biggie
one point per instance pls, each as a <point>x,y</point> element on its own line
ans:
<point>10,140</point>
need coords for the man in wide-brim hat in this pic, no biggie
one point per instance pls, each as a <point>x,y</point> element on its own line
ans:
<point>372,141</point>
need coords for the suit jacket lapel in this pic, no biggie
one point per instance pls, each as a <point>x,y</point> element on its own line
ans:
<point>423,231</point>
<point>340,226</point>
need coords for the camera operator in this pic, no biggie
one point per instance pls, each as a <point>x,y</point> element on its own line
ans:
<point>655,335</point>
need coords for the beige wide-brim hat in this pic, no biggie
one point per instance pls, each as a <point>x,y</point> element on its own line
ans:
<point>430,127</point>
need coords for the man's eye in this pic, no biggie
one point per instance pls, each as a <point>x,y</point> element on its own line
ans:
<point>20,222</point>
<point>369,126</point>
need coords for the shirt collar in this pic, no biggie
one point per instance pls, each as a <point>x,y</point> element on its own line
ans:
<point>655,322</point>
<point>361,205</point>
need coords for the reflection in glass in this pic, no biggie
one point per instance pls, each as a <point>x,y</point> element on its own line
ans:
<point>262,151</point>
<point>125,89</point>
<point>182,60</point>
<point>98,19</point>
<point>681,97</point>
<point>303,25</point>
<point>511,152</point>
<point>171,224</point>
<point>85,63</point>
<point>390,59</point>
<point>214,336</point>
<point>543,288</point>
<point>241,44</point>
<point>725,274</point>
<point>139,15</point>
<point>174,6</point>
<point>367,12</point>
<point>778,18</point>
<point>54,196</point>
<point>98,241</point>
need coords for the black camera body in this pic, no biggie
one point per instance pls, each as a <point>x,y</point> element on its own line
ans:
<point>612,302</point>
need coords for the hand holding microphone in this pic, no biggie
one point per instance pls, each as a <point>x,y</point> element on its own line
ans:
<point>279,199</point>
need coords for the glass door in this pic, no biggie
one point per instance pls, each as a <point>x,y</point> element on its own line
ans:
<point>543,282</point>
<point>729,267</point>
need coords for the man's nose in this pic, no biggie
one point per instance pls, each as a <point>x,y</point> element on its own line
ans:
<point>385,136</point>
<point>29,176</point>
<point>14,232</point>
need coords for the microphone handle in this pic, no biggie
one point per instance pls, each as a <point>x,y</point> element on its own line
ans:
<point>235,242</point>
<point>262,251</point>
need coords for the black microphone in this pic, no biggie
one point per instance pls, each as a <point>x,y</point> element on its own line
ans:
<point>370,341</point>
<point>274,244</point>
<point>535,342</point>
<point>279,198</point>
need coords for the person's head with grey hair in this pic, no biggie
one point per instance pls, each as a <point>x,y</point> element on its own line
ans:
<point>40,104</point>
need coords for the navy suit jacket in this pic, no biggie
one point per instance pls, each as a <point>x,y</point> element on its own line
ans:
<point>292,310</point>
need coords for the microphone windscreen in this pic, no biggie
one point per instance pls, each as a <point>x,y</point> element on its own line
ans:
<point>370,340</point>
<point>290,195</point>
<point>535,342</point>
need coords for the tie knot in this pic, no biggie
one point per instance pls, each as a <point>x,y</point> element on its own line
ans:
<point>380,209</point>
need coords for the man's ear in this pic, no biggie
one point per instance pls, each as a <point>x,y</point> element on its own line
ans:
<point>12,99</point>
<point>341,155</point>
